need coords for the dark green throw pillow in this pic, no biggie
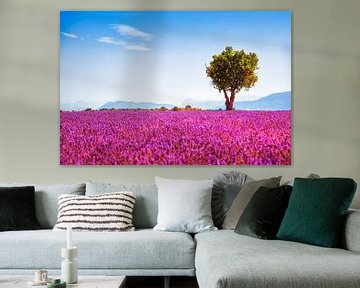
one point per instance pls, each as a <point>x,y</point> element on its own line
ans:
<point>263,214</point>
<point>316,211</point>
<point>17,208</point>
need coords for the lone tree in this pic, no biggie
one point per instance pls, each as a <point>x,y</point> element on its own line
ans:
<point>232,71</point>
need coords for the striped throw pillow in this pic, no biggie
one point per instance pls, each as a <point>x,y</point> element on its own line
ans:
<point>105,212</point>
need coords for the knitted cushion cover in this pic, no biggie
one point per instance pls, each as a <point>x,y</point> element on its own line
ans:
<point>105,212</point>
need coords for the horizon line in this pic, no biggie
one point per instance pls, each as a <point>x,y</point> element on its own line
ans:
<point>185,99</point>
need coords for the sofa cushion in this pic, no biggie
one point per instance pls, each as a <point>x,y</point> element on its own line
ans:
<point>243,198</point>
<point>317,209</point>
<point>17,208</point>
<point>225,189</point>
<point>46,200</point>
<point>350,239</point>
<point>263,215</point>
<point>146,205</point>
<point>184,205</point>
<point>143,249</point>
<point>225,259</point>
<point>105,212</point>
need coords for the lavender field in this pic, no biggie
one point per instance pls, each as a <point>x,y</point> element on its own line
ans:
<point>149,137</point>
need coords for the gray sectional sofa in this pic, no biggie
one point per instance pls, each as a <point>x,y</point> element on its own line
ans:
<point>218,259</point>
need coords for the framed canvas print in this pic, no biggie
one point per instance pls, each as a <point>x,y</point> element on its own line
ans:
<point>175,88</point>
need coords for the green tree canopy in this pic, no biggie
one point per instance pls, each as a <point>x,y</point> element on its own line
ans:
<point>232,71</point>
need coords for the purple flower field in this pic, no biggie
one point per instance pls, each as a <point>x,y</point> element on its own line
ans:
<point>149,137</point>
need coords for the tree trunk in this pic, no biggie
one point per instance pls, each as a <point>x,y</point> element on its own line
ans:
<point>232,99</point>
<point>227,101</point>
<point>230,103</point>
<point>230,106</point>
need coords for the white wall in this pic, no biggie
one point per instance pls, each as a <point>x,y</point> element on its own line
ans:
<point>326,85</point>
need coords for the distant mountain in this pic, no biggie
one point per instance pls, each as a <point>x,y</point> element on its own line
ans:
<point>276,101</point>
<point>213,105</point>
<point>133,105</point>
<point>79,106</point>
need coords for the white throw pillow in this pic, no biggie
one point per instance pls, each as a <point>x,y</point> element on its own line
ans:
<point>184,205</point>
<point>104,212</point>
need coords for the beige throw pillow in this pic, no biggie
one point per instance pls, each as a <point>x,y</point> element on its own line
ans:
<point>243,198</point>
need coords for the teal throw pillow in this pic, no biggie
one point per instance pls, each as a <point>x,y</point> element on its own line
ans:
<point>316,211</point>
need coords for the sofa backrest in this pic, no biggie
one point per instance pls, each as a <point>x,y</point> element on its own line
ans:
<point>146,203</point>
<point>46,200</point>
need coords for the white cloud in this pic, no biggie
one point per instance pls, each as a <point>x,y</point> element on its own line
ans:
<point>69,35</point>
<point>136,47</point>
<point>127,30</point>
<point>110,40</point>
<point>125,45</point>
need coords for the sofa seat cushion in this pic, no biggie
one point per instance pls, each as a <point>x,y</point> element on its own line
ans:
<point>142,249</point>
<point>226,259</point>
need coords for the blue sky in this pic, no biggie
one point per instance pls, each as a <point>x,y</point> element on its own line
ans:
<point>161,56</point>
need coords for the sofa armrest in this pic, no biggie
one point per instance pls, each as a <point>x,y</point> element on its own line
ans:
<point>351,234</point>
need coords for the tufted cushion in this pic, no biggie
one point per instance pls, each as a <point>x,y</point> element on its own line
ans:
<point>225,189</point>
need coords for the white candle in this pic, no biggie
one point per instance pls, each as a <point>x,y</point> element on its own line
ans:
<point>69,237</point>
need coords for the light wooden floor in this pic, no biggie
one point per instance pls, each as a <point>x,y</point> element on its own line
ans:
<point>158,282</point>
